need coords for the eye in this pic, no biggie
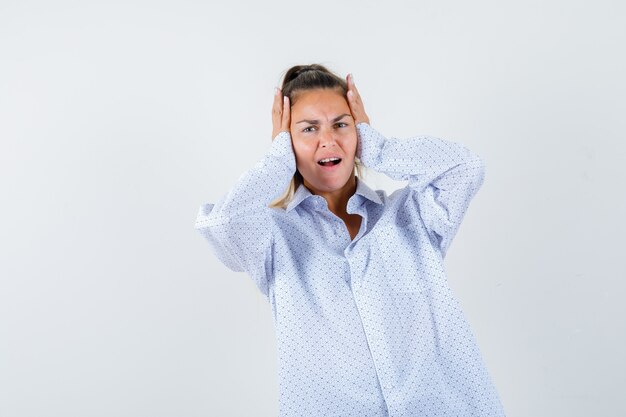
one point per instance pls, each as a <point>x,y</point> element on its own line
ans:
<point>305,129</point>
<point>342,123</point>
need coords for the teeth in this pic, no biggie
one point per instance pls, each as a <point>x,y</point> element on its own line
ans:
<point>329,159</point>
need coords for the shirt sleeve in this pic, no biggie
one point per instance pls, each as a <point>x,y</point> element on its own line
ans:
<point>443,176</point>
<point>238,226</point>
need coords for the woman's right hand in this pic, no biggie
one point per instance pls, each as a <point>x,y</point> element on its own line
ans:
<point>281,113</point>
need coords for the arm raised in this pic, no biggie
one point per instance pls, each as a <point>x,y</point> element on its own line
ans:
<point>443,176</point>
<point>238,227</point>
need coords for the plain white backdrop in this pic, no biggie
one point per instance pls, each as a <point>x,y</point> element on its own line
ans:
<point>119,119</point>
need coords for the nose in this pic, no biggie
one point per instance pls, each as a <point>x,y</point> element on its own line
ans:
<point>327,139</point>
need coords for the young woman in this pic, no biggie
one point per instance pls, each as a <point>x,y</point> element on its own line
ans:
<point>365,321</point>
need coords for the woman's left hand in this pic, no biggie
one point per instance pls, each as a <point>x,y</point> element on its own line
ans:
<point>355,102</point>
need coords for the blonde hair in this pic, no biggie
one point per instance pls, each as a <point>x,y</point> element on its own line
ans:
<point>284,200</point>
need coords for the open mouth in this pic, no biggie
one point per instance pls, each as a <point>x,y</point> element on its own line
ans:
<point>329,162</point>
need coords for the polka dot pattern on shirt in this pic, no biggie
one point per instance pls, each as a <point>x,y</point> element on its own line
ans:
<point>366,326</point>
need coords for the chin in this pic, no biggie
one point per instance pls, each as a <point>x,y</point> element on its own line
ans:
<point>329,184</point>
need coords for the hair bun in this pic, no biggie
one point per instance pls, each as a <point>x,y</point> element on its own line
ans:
<point>308,77</point>
<point>306,69</point>
<point>297,70</point>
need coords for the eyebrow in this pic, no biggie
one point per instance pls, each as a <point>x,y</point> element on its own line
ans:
<point>314,122</point>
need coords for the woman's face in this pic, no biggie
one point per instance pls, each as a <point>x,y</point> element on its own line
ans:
<point>321,127</point>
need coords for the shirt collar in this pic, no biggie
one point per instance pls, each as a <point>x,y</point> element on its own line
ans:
<point>362,189</point>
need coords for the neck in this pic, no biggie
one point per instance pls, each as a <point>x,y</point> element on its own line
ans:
<point>337,200</point>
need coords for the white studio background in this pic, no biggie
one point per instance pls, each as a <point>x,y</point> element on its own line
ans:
<point>119,119</point>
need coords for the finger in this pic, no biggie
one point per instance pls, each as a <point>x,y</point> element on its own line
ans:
<point>352,87</point>
<point>286,114</point>
<point>350,80</point>
<point>355,103</point>
<point>277,109</point>
<point>277,106</point>
<point>277,112</point>
<point>355,109</point>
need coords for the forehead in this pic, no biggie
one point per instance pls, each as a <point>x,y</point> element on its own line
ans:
<point>320,102</point>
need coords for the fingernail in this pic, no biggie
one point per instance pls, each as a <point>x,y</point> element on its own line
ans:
<point>352,77</point>
<point>276,90</point>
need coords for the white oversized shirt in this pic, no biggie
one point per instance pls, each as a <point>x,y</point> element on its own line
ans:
<point>369,326</point>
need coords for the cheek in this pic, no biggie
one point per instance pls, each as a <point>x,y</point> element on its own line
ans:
<point>302,150</point>
<point>349,145</point>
